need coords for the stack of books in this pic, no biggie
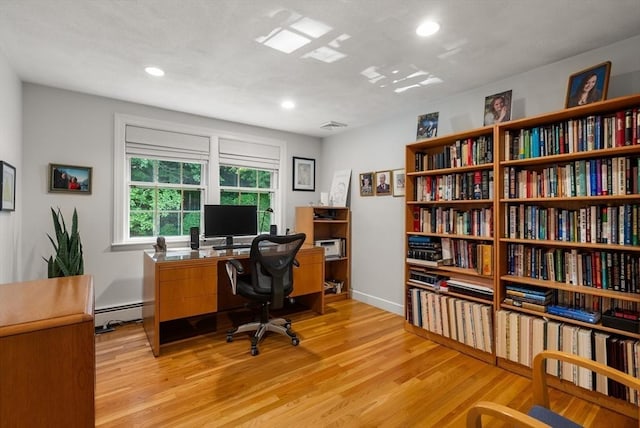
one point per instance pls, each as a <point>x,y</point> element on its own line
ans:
<point>529,297</point>
<point>425,251</point>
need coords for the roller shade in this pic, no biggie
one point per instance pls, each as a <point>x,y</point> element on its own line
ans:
<point>248,154</point>
<point>147,142</point>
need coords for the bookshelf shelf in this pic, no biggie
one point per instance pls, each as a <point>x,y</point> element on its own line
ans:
<point>571,244</point>
<point>328,223</point>
<point>452,236</point>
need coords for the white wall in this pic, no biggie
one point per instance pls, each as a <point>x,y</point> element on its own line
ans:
<point>77,129</point>
<point>11,152</point>
<point>378,229</point>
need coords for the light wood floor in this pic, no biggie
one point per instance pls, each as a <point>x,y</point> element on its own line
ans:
<point>355,367</point>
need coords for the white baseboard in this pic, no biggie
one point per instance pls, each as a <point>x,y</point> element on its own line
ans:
<point>130,312</point>
<point>386,305</point>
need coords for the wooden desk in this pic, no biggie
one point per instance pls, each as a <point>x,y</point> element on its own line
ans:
<point>47,353</point>
<point>181,284</point>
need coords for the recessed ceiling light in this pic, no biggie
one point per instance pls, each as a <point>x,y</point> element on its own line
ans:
<point>154,71</point>
<point>288,105</point>
<point>427,28</point>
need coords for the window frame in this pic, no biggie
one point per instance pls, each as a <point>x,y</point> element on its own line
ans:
<point>212,174</point>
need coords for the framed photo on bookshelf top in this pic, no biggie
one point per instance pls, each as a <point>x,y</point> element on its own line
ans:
<point>497,108</point>
<point>366,184</point>
<point>7,187</point>
<point>589,85</point>
<point>304,174</point>
<point>398,180</point>
<point>427,126</point>
<point>70,179</point>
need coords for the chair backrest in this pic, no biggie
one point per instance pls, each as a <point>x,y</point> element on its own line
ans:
<point>272,258</point>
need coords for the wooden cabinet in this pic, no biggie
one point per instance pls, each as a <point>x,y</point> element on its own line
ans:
<point>568,204</point>
<point>47,353</point>
<point>330,227</point>
<point>449,214</point>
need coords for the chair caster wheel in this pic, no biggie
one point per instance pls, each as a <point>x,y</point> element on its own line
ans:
<point>295,341</point>
<point>254,351</point>
<point>229,338</point>
<point>287,325</point>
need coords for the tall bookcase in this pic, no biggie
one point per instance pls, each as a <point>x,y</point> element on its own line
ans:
<point>449,212</point>
<point>567,192</point>
<point>332,227</point>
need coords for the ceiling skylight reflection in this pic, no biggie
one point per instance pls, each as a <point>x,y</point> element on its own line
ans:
<point>285,41</point>
<point>311,27</point>
<point>324,54</point>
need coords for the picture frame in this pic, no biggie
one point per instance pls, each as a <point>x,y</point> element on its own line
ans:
<point>339,193</point>
<point>383,186</point>
<point>7,187</point>
<point>427,126</point>
<point>70,179</point>
<point>497,108</point>
<point>588,86</point>
<point>398,180</point>
<point>304,174</point>
<point>366,184</point>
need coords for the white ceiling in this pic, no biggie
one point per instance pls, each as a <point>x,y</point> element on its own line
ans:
<point>216,67</point>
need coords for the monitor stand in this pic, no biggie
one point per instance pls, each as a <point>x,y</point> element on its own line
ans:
<point>229,245</point>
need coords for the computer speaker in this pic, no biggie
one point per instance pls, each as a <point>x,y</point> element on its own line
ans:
<point>273,230</point>
<point>195,237</point>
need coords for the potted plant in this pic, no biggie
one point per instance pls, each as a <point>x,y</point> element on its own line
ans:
<point>68,259</point>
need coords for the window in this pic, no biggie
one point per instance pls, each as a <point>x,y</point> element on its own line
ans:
<point>249,186</point>
<point>164,174</point>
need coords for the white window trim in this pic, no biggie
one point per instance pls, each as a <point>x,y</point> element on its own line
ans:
<point>213,174</point>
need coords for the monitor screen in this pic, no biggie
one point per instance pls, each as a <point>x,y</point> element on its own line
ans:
<point>230,220</point>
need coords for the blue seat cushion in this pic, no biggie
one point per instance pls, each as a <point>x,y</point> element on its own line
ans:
<point>550,418</point>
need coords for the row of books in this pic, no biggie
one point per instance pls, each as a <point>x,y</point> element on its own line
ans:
<point>594,177</point>
<point>464,321</point>
<point>596,224</point>
<point>471,151</point>
<point>520,337</point>
<point>474,222</point>
<point>593,132</point>
<point>472,185</point>
<point>610,270</point>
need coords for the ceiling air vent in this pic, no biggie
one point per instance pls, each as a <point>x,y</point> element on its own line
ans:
<point>331,125</point>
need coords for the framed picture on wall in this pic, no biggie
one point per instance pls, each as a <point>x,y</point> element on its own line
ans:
<point>70,179</point>
<point>366,184</point>
<point>383,188</point>
<point>589,85</point>
<point>398,179</point>
<point>304,174</point>
<point>7,187</point>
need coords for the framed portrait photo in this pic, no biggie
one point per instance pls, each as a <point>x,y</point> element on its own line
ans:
<point>304,174</point>
<point>398,180</point>
<point>366,184</point>
<point>589,85</point>
<point>383,183</point>
<point>70,179</point>
<point>7,187</point>
<point>497,108</point>
<point>427,126</point>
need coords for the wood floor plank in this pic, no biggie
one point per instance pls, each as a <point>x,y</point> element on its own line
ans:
<point>355,367</point>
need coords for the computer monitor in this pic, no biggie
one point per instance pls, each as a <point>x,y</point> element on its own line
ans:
<point>229,221</point>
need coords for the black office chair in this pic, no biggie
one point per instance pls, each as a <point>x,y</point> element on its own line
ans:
<point>270,281</point>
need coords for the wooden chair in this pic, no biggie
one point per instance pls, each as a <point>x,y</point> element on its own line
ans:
<point>540,415</point>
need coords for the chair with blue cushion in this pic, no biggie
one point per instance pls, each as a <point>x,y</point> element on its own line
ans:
<point>540,415</point>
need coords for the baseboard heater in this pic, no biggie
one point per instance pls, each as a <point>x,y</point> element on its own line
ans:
<point>123,313</point>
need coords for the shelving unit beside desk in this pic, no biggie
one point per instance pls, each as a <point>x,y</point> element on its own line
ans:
<point>184,284</point>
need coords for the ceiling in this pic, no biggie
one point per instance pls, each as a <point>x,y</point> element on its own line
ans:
<point>362,60</point>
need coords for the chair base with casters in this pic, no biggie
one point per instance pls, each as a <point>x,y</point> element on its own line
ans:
<point>276,325</point>
<point>269,283</point>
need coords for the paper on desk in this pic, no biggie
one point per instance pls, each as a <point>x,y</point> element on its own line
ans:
<point>233,275</point>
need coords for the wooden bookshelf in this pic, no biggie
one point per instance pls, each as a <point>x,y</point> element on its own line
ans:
<point>449,199</point>
<point>326,223</point>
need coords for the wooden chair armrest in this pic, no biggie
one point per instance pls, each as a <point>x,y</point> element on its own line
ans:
<point>511,416</point>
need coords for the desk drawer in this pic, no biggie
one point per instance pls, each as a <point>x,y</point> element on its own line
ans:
<point>203,273</point>
<point>187,306</point>
<point>307,278</point>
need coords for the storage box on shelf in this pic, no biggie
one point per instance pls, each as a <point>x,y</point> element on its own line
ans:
<point>330,228</point>
<point>567,222</point>
<point>449,269</point>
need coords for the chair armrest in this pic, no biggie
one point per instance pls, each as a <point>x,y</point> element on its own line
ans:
<point>296,263</point>
<point>236,265</point>
<point>540,393</point>
<point>511,416</point>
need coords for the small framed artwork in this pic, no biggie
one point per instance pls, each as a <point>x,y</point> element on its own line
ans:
<point>398,179</point>
<point>383,188</point>
<point>427,126</point>
<point>589,85</point>
<point>304,174</point>
<point>70,178</point>
<point>7,187</point>
<point>366,184</point>
<point>497,108</point>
